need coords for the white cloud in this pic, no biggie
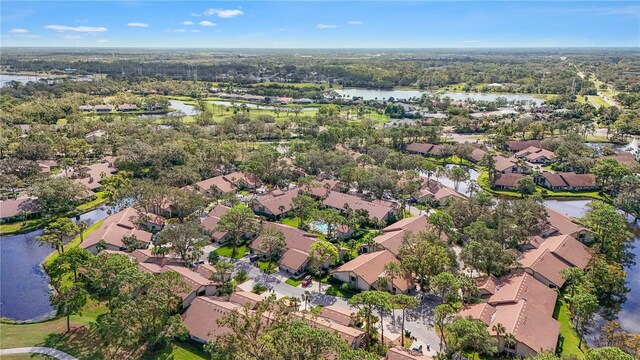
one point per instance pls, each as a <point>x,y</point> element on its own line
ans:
<point>196,30</point>
<point>177,30</point>
<point>138,24</point>
<point>207,23</point>
<point>326,26</point>
<point>186,22</point>
<point>103,40</point>
<point>85,29</point>
<point>356,22</point>
<point>223,13</point>
<point>18,31</point>
<point>72,37</point>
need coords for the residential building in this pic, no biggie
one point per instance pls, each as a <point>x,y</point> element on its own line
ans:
<point>435,192</point>
<point>91,175</point>
<point>210,223</point>
<point>400,353</point>
<point>425,149</point>
<point>560,224</point>
<point>536,155</point>
<point>555,254</point>
<point>375,209</point>
<point>113,229</point>
<point>224,184</point>
<point>392,235</point>
<point>507,181</point>
<point>512,288</point>
<point>519,145</point>
<point>103,108</point>
<point>510,165</point>
<point>298,243</point>
<point>15,209</point>
<point>364,271</point>
<point>127,107</point>
<point>276,203</point>
<point>341,315</point>
<point>625,158</point>
<point>533,329</point>
<point>202,316</point>
<point>567,181</point>
<point>197,284</point>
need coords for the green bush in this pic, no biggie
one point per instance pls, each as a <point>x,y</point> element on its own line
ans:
<point>258,288</point>
<point>241,276</point>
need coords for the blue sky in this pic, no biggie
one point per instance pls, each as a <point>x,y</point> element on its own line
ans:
<point>320,24</point>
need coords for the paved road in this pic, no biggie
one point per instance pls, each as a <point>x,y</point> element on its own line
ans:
<point>39,350</point>
<point>418,321</point>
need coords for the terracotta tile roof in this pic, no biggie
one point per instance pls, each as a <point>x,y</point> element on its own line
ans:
<point>542,261</point>
<point>95,173</point>
<point>508,180</point>
<point>295,238</point>
<point>503,163</point>
<point>514,287</point>
<point>294,258</point>
<point>400,353</point>
<point>346,333</point>
<point>483,312</point>
<point>277,199</point>
<point>524,320</point>
<point>201,317</point>
<point>13,207</point>
<point>477,154</point>
<point>115,227</point>
<point>624,158</point>
<point>487,283</point>
<point>518,145</point>
<point>563,223</point>
<point>568,249</point>
<point>245,297</point>
<point>370,267</point>
<point>210,222</point>
<point>193,279</point>
<point>392,235</point>
<point>339,314</point>
<point>419,148</point>
<point>337,200</point>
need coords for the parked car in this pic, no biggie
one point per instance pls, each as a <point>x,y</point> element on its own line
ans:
<point>254,258</point>
<point>307,280</point>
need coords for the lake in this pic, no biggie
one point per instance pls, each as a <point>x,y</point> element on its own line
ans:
<point>24,285</point>
<point>368,94</point>
<point>629,316</point>
<point>4,78</point>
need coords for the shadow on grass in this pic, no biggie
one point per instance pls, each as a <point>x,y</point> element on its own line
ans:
<point>80,342</point>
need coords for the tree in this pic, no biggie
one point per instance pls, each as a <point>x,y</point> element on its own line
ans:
<point>487,257</point>
<point>69,261</point>
<point>466,334</point>
<point>184,239</point>
<point>237,221</point>
<point>611,234</point>
<point>488,161</point>
<point>58,233</point>
<point>574,277</point>
<point>404,302</point>
<point>610,174</point>
<point>320,253</point>
<point>424,255</point>
<point>56,195</point>
<point>525,186</point>
<point>457,174</point>
<point>69,301</point>
<point>213,257</point>
<point>143,319</point>
<point>443,315</point>
<point>367,302</point>
<point>583,307</point>
<point>185,203</point>
<point>500,330</point>
<point>273,244</point>
<point>222,274</point>
<point>303,206</point>
<point>392,271</point>
<point>443,223</point>
<point>607,353</point>
<point>446,286</point>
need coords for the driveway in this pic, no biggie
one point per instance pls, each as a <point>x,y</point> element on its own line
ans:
<point>418,321</point>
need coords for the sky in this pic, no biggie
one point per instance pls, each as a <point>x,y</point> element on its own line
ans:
<point>320,24</point>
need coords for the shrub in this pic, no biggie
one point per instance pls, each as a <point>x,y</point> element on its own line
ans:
<point>259,288</point>
<point>213,257</point>
<point>241,276</point>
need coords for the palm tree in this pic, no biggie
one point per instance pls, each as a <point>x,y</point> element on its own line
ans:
<point>500,330</point>
<point>306,297</point>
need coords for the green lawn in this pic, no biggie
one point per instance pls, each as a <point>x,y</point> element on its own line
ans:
<point>179,351</point>
<point>336,290</point>
<point>293,282</point>
<point>101,198</point>
<point>262,265</point>
<point>291,221</point>
<point>569,338</point>
<point>226,250</point>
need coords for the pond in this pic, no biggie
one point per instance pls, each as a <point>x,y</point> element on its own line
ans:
<point>180,105</point>
<point>632,146</point>
<point>24,285</point>
<point>368,94</point>
<point>463,187</point>
<point>250,105</point>
<point>628,316</point>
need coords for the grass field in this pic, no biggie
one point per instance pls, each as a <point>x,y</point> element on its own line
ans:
<point>226,250</point>
<point>293,282</point>
<point>569,337</point>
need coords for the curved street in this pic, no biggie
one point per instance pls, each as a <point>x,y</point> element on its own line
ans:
<point>38,350</point>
